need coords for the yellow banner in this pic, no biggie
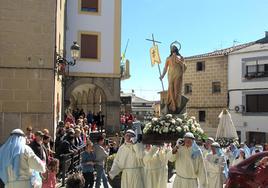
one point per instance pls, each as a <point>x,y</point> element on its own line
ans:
<point>155,57</point>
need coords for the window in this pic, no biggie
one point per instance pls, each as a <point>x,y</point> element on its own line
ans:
<point>216,87</point>
<point>200,66</point>
<point>257,103</point>
<point>89,46</point>
<point>202,116</point>
<point>90,5</point>
<point>188,88</point>
<point>256,69</point>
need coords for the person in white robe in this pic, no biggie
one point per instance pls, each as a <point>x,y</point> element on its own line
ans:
<point>155,166</point>
<point>215,163</point>
<point>189,164</point>
<point>18,161</point>
<point>207,146</point>
<point>240,158</point>
<point>246,149</point>
<point>231,153</point>
<point>129,161</point>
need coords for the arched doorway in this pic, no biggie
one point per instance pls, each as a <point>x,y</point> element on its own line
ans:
<point>88,97</point>
<point>95,94</point>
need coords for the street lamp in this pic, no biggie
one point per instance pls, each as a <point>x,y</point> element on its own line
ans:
<point>75,50</point>
<point>62,62</point>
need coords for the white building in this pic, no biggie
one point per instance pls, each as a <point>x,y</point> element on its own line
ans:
<point>139,107</point>
<point>94,82</point>
<point>248,91</point>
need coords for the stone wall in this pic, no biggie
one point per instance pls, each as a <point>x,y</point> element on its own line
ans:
<point>202,98</point>
<point>27,45</point>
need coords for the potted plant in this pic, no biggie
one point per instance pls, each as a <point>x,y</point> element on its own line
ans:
<point>116,182</point>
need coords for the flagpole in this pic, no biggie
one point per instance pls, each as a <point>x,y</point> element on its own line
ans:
<point>157,63</point>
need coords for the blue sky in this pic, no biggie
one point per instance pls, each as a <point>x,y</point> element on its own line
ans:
<point>199,25</point>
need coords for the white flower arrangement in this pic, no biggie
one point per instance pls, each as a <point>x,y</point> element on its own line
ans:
<point>174,125</point>
<point>224,142</point>
<point>168,116</point>
<point>154,119</point>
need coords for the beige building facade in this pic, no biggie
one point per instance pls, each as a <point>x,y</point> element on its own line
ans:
<point>206,86</point>
<point>30,89</point>
<point>206,102</point>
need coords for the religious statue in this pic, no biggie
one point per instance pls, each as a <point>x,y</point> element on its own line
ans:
<point>176,67</point>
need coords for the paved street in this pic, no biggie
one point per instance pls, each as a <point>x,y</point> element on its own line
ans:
<point>169,184</point>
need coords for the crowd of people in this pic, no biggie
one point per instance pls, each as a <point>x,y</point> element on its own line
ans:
<point>197,163</point>
<point>94,121</point>
<point>35,159</point>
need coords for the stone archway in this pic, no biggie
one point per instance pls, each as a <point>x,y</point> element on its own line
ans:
<point>88,97</point>
<point>96,94</point>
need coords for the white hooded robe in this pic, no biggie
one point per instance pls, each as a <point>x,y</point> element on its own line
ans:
<point>215,166</point>
<point>155,167</point>
<point>190,173</point>
<point>128,160</point>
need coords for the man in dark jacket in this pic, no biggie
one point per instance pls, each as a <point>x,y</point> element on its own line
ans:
<point>38,147</point>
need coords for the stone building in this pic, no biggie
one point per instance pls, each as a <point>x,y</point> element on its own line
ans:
<point>93,84</point>
<point>31,33</point>
<point>205,84</point>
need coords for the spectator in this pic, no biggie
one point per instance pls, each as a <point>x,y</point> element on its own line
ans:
<point>46,143</point>
<point>85,122</point>
<point>38,147</point>
<point>59,135</point>
<point>29,134</point>
<point>70,118</point>
<point>117,140</point>
<point>86,130</point>
<point>82,113</point>
<point>46,133</point>
<point>101,121</point>
<point>96,119</point>
<point>265,147</point>
<point>16,161</point>
<point>49,177</point>
<point>113,148</point>
<point>78,142</point>
<point>88,158</point>
<point>67,146</point>
<point>93,127</point>
<point>76,114</point>
<point>90,117</point>
<point>101,156</point>
<point>75,181</point>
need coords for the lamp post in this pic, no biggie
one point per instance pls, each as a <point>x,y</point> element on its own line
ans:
<point>75,50</point>
<point>62,62</point>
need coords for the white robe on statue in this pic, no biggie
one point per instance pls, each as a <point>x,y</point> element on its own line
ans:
<point>215,166</point>
<point>128,160</point>
<point>155,168</point>
<point>190,173</point>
